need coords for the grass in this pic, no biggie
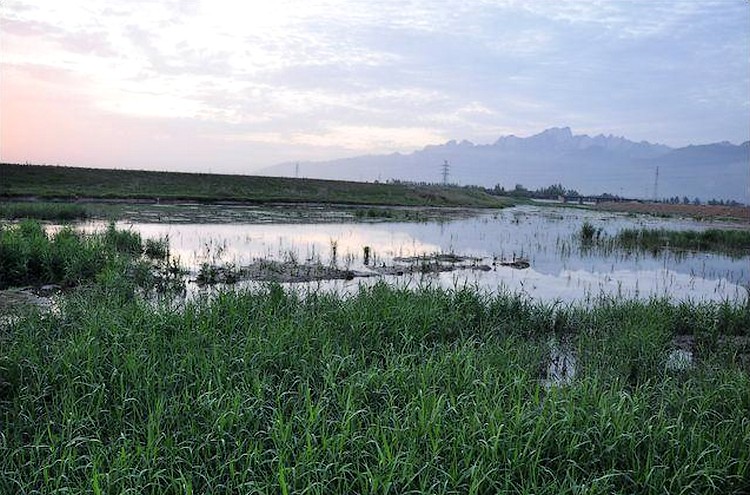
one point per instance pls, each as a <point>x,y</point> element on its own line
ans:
<point>59,212</point>
<point>74,183</point>
<point>64,211</point>
<point>386,391</point>
<point>29,256</point>
<point>725,241</point>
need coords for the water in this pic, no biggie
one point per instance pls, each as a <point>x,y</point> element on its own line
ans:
<point>559,270</point>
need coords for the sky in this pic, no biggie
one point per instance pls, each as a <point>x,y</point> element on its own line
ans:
<point>232,87</point>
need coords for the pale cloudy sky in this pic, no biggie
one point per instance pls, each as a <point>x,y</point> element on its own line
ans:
<point>233,86</point>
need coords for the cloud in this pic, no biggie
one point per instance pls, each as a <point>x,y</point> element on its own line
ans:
<point>327,76</point>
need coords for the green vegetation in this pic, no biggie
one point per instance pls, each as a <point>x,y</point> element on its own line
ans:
<point>59,212</point>
<point>589,233</point>
<point>72,182</point>
<point>387,391</point>
<point>725,241</point>
<point>731,242</point>
<point>29,256</point>
<point>519,191</point>
<point>393,214</point>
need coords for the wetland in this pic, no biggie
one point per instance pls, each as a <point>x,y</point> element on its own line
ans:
<point>266,349</point>
<point>536,250</point>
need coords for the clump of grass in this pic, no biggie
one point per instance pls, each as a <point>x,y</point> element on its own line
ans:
<point>157,249</point>
<point>58,212</point>
<point>209,274</point>
<point>391,214</point>
<point>589,233</point>
<point>389,390</point>
<point>373,213</point>
<point>29,256</point>
<point>732,242</point>
<point>718,240</point>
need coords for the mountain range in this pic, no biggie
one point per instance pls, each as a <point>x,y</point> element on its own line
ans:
<point>591,165</point>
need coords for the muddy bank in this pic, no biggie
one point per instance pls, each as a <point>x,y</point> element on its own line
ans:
<point>431,263</point>
<point>182,211</point>
<point>266,270</point>
<point>275,271</point>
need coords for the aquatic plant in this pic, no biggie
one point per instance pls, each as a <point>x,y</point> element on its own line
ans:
<point>733,242</point>
<point>589,233</point>
<point>157,249</point>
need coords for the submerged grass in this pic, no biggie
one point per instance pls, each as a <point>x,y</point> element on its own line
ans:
<point>732,242</point>
<point>192,212</point>
<point>719,240</point>
<point>386,391</point>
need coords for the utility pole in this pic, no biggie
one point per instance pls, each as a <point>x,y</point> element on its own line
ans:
<point>445,167</point>
<point>656,184</point>
<point>296,170</point>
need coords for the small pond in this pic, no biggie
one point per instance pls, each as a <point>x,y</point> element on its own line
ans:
<point>559,269</point>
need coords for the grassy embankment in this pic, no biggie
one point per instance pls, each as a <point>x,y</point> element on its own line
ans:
<point>734,243</point>
<point>47,182</point>
<point>388,391</point>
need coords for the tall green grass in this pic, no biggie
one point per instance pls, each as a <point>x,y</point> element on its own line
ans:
<point>386,391</point>
<point>727,241</point>
<point>31,256</point>
<point>721,240</point>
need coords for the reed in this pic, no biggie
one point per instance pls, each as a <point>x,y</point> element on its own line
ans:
<point>385,391</point>
<point>31,256</point>
<point>732,242</point>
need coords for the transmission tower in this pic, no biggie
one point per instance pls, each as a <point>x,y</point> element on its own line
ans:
<point>445,167</point>
<point>656,184</point>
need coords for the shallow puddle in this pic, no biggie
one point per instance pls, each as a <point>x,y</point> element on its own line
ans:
<point>560,367</point>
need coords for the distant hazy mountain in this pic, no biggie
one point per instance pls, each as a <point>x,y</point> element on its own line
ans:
<point>591,165</point>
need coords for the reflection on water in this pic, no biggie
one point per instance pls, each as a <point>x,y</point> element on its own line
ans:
<point>545,236</point>
<point>561,363</point>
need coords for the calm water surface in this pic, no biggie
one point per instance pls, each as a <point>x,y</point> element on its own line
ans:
<point>559,271</point>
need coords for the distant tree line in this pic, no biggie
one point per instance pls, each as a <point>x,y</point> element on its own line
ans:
<point>676,200</point>
<point>556,190</point>
<point>550,192</point>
